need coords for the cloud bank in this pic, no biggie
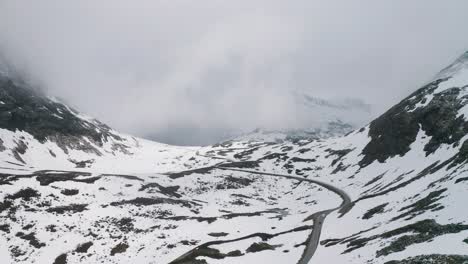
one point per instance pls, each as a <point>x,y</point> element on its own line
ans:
<point>188,72</point>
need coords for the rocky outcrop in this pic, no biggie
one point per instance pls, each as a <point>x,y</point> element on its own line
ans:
<point>393,132</point>
<point>25,109</point>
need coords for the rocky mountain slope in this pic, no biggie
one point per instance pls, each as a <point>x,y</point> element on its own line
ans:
<point>390,192</point>
<point>39,132</point>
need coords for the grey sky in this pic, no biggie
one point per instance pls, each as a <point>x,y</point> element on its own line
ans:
<point>166,68</point>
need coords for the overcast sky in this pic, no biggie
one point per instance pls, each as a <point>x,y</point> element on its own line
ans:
<point>186,71</point>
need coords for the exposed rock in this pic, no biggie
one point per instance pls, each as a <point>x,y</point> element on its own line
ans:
<point>376,210</point>
<point>62,259</point>
<point>418,232</point>
<point>144,201</point>
<point>2,147</point>
<point>72,208</point>
<point>257,247</point>
<point>427,203</point>
<point>82,163</point>
<point>220,234</point>
<point>47,177</point>
<point>5,228</point>
<point>432,259</point>
<point>118,249</point>
<point>25,194</point>
<point>393,132</point>
<point>31,237</point>
<point>70,192</point>
<point>83,248</point>
<point>19,150</point>
<point>169,190</point>
<point>26,109</point>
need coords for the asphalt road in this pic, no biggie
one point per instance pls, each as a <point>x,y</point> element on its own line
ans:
<point>318,217</point>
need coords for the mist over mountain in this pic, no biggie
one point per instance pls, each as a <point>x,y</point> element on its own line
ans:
<point>301,132</point>
<point>310,115</point>
<point>75,190</point>
<point>162,70</point>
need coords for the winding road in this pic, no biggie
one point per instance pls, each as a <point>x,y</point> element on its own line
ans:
<point>318,217</point>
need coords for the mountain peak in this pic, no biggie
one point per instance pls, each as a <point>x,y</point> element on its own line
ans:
<point>458,66</point>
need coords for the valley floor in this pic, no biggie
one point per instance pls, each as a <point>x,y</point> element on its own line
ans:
<point>241,202</point>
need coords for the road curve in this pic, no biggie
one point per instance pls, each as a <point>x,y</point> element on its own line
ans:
<point>318,217</point>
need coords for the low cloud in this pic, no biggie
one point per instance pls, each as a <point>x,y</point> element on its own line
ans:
<point>190,72</point>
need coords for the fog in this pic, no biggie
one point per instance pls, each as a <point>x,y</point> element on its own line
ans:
<point>191,72</point>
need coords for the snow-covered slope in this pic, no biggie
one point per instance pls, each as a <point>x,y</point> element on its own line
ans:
<point>38,132</point>
<point>390,192</point>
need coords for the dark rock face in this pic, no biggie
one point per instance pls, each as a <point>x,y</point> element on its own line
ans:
<point>433,259</point>
<point>218,234</point>
<point>462,155</point>
<point>47,177</point>
<point>2,147</point>
<point>120,248</point>
<point>83,248</point>
<point>425,204</point>
<point>25,194</point>
<point>5,205</point>
<point>70,192</point>
<point>19,150</point>
<point>62,259</point>
<point>169,190</point>
<point>416,233</point>
<point>231,182</point>
<point>257,247</point>
<point>72,208</point>
<point>393,132</point>
<point>31,237</point>
<point>5,228</point>
<point>376,210</point>
<point>28,110</point>
<point>82,163</point>
<point>144,201</point>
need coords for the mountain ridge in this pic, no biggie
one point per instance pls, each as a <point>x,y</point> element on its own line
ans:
<point>403,179</point>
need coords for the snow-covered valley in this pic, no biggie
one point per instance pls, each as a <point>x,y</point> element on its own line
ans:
<point>72,190</point>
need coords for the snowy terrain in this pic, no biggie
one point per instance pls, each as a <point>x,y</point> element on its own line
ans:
<point>73,190</point>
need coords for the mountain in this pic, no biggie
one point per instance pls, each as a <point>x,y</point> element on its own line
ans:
<point>319,119</point>
<point>390,192</point>
<point>326,130</point>
<point>39,132</point>
<point>308,117</point>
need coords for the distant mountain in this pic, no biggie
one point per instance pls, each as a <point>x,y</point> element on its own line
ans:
<point>320,119</point>
<point>311,117</point>
<point>326,130</point>
<point>72,190</point>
